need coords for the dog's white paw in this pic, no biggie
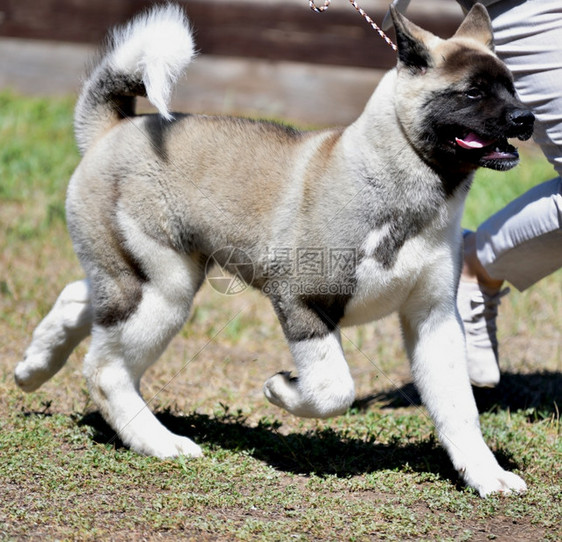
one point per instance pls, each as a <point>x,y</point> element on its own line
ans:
<point>172,446</point>
<point>281,391</point>
<point>325,401</point>
<point>31,373</point>
<point>496,480</point>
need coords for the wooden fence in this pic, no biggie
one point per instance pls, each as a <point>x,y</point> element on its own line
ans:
<point>266,29</point>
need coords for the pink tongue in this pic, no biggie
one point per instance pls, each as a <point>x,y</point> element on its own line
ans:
<point>472,141</point>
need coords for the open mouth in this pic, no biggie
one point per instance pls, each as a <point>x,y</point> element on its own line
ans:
<point>490,153</point>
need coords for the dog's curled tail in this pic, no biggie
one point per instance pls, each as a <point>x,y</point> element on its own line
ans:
<point>143,58</point>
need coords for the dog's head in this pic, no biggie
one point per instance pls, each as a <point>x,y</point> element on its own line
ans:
<point>455,99</point>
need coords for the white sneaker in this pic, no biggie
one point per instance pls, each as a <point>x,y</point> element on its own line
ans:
<point>478,308</point>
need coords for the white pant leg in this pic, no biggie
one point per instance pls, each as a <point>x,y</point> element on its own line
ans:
<point>522,243</point>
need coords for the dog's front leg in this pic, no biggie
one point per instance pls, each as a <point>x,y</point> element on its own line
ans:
<point>435,343</point>
<point>323,387</point>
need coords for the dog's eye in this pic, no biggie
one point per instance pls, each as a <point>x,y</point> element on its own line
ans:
<point>474,93</point>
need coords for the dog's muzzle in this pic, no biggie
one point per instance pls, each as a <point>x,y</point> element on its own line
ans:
<point>521,124</point>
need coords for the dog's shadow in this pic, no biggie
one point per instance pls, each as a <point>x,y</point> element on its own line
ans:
<point>332,451</point>
<point>538,393</point>
<point>321,452</point>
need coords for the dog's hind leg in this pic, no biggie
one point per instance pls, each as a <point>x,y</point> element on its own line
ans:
<point>56,336</point>
<point>121,352</point>
<point>324,386</point>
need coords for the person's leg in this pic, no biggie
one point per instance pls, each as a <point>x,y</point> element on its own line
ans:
<point>521,243</point>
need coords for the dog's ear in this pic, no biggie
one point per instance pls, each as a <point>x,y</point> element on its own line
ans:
<point>411,42</point>
<point>477,25</point>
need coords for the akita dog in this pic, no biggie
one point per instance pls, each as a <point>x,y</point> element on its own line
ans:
<point>157,197</point>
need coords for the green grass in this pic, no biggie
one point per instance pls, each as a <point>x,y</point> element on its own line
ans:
<point>38,152</point>
<point>376,473</point>
<point>492,190</point>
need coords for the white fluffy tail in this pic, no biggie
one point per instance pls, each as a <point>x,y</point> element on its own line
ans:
<point>157,47</point>
<point>144,57</point>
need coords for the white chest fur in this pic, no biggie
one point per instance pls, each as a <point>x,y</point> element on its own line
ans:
<point>382,290</point>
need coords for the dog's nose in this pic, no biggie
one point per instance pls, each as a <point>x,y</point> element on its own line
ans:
<point>522,118</point>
